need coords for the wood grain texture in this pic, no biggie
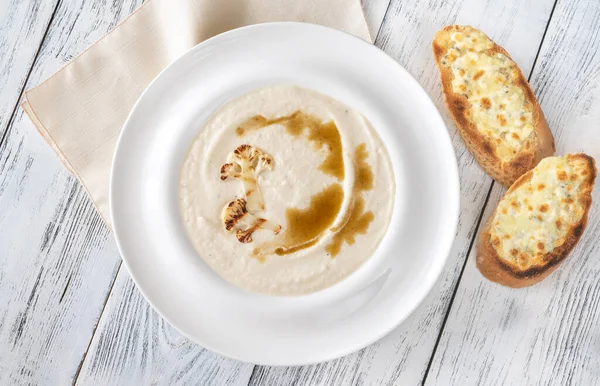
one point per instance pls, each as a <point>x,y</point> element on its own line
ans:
<point>546,334</point>
<point>22,28</point>
<point>402,357</point>
<point>57,258</point>
<point>133,345</point>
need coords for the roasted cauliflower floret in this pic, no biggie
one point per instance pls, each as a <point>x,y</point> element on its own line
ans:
<point>245,164</point>
<point>236,219</point>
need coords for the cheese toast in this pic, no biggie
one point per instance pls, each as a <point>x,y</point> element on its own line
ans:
<point>538,221</point>
<point>491,103</point>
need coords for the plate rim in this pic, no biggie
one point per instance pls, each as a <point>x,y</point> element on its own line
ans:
<point>449,236</point>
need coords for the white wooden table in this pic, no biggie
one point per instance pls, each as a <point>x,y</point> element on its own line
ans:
<point>69,312</point>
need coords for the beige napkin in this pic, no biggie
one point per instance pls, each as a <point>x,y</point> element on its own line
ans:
<point>80,110</point>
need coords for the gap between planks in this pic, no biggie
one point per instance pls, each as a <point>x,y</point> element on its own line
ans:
<point>4,135</point>
<point>477,226</point>
<point>3,138</point>
<point>87,349</point>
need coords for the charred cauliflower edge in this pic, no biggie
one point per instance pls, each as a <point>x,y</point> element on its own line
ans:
<point>237,219</point>
<point>245,164</point>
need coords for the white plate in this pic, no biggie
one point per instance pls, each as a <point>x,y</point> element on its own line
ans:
<point>286,330</point>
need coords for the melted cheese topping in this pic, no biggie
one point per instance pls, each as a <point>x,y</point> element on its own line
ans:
<point>499,107</point>
<point>533,219</point>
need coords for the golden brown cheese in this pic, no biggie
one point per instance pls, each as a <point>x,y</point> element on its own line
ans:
<point>487,79</point>
<point>533,219</point>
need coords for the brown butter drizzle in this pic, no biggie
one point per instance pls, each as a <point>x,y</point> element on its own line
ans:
<point>358,223</point>
<point>322,134</point>
<point>306,226</point>
<point>355,221</point>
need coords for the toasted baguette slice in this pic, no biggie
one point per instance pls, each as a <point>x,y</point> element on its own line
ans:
<point>538,221</point>
<point>491,103</point>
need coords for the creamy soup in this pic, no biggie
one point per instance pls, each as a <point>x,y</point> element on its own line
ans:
<point>286,191</point>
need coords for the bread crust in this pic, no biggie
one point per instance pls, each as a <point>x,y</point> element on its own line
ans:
<point>482,148</point>
<point>497,270</point>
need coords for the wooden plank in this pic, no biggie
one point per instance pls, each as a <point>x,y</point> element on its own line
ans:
<point>57,258</point>
<point>548,333</point>
<point>402,357</point>
<point>22,28</point>
<point>133,345</point>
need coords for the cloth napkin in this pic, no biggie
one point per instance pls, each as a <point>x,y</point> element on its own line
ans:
<point>80,110</point>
